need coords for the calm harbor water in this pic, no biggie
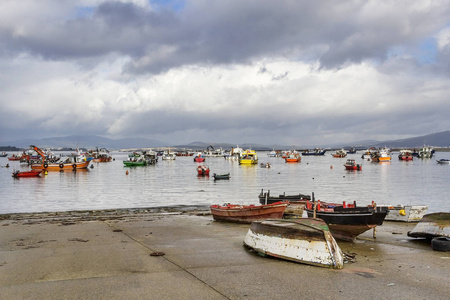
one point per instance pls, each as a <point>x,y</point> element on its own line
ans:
<point>168,183</point>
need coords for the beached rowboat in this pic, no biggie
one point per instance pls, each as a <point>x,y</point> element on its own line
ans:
<point>247,213</point>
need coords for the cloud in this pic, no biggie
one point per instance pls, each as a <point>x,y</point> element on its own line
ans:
<point>290,72</point>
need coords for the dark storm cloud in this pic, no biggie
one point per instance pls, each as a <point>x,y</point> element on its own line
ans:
<point>224,32</point>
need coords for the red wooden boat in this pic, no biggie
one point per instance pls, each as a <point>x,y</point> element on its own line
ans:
<point>203,170</point>
<point>14,157</point>
<point>352,165</point>
<point>248,213</point>
<point>32,173</point>
<point>199,158</point>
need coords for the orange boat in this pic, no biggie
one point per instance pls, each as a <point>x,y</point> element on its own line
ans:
<point>32,173</point>
<point>61,166</point>
<point>293,157</point>
<point>58,166</point>
<point>248,213</point>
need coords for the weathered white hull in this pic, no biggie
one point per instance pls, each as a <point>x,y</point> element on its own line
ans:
<point>406,213</point>
<point>319,250</point>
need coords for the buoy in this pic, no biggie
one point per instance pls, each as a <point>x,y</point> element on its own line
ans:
<point>45,172</point>
<point>331,167</point>
<point>126,172</point>
<point>402,212</point>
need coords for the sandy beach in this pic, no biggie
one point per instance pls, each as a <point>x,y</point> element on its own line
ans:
<point>181,253</point>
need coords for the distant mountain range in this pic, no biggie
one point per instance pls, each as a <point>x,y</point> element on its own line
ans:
<point>440,139</point>
<point>90,142</point>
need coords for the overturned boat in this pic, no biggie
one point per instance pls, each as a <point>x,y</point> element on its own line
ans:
<point>432,225</point>
<point>307,241</point>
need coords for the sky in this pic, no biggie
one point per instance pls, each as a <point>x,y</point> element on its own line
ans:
<point>282,72</point>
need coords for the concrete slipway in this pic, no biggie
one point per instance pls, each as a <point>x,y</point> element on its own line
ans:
<point>107,255</point>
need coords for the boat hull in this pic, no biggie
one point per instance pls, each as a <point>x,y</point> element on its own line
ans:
<point>32,173</point>
<point>247,213</point>
<point>406,213</point>
<point>61,166</point>
<point>347,224</point>
<point>307,241</point>
<point>432,225</point>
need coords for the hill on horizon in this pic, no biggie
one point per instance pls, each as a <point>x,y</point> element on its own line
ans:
<point>440,139</point>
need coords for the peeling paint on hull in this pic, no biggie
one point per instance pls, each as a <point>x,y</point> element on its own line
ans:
<point>307,241</point>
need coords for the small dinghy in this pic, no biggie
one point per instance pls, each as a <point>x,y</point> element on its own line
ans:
<point>307,241</point>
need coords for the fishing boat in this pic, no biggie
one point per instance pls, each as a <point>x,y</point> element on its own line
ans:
<point>247,213</point>
<point>293,157</point>
<point>221,176</point>
<point>340,153</point>
<point>351,165</point>
<point>367,154</point>
<point>426,152</point>
<point>266,198</point>
<point>3,154</point>
<point>203,170</point>
<point>405,154</point>
<point>14,157</point>
<point>307,241</point>
<point>443,161</point>
<point>199,158</point>
<point>248,157</point>
<point>32,173</point>
<point>405,213</point>
<point>347,221</point>
<point>168,155</point>
<point>352,150</point>
<point>381,155</point>
<point>64,164</point>
<point>314,152</point>
<point>101,155</point>
<point>134,161</point>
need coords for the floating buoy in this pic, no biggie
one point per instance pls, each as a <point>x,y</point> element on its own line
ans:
<point>331,167</point>
<point>45,173</point>
<point>92,166</point>
<point>126,172</point>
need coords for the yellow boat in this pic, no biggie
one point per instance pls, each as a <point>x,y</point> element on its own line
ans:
<point>248,157</point>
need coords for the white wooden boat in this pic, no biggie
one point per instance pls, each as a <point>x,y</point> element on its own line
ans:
<point>307,241</point>
<point>405,213</point>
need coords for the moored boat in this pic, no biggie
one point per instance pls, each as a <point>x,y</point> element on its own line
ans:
<point>307,241</point>
<point>293,156</point>
<point>347,221</point>
<point>248,157</point>
<point>66,164</point>
<point>3,154</point>
<point>443,161</point>
<point>247,213</point>
<point>426,152</point>
<point>101,155</point>
<point>203,170</point>
<point>199,158</point>
<point>340,153</point>
<point>381,155</point>
<point>405,154</point>
<point>315,152</point>
<point>32,173</point>
<point>351,165</point>
<point>221,176</point>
